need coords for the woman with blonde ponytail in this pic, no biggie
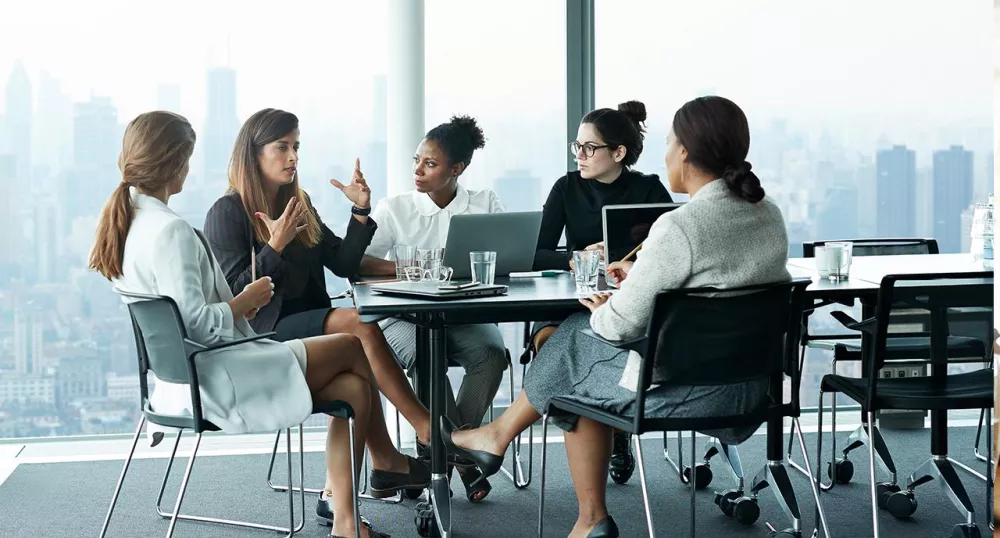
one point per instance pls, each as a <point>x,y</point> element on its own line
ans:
<point>142,246</point>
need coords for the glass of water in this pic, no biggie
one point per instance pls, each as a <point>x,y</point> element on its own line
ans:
<point>838,255</point>
<point>484,267</point>
<point>406,257</point>
<point>430,260</point>
<point>587,264</point>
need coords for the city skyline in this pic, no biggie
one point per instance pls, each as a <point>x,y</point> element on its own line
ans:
<point>855,142</point>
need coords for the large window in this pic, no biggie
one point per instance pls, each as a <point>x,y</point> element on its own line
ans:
<point>867,119</point>
<point>503,63</point>
<point>73,75</point>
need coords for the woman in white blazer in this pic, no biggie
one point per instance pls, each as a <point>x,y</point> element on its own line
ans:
<point>144,247</point>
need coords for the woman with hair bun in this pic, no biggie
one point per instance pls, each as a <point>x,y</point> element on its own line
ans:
<point>420,218</point>
<point>728,236</point>
<point>608,143</point>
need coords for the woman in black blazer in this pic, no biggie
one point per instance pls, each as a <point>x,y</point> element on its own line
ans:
<point>265,211</point>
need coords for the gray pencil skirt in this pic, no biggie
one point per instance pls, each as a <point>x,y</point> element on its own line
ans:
<point>575,366</point>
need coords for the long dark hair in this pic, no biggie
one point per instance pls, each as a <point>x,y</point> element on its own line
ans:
<point>156,149</point>
<point>621,127</point>
<point>246,178</point>
<point>716,135</point>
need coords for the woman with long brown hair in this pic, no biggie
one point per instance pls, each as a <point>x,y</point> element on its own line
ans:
<point>142,246</point>
<point>265,217</point>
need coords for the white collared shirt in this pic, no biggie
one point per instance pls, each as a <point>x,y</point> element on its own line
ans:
<point>413,219</point>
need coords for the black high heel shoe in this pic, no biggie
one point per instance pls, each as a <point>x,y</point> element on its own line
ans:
<point>605,529</point>
<point>489,464</point>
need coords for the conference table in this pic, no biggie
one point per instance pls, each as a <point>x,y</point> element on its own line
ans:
<point>546,298</point>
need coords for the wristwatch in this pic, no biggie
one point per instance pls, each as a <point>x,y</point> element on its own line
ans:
<point>364,212</point>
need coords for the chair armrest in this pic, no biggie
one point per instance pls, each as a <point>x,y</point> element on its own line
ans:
<point>231,343</point>
<point>638,345</point>
<point>846,320</point>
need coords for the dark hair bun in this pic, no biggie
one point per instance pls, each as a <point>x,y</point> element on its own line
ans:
<point>469,128</point>
<point>743,182</point>
<point>636,111</point>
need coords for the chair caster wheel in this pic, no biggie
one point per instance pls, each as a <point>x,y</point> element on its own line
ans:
<point>412,493</point>
<point>883,491</point>
<point>965,531</point>
<point>424,519</point>
<point>725,500</point>
<point>702,476</point>
<point>746,510</point>
<point>840,471</point>
<point>901,504</point>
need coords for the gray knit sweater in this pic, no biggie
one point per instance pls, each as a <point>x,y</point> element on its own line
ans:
<point>717,239</point>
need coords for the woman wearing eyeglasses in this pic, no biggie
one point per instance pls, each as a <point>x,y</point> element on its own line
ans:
<point>608,143</point>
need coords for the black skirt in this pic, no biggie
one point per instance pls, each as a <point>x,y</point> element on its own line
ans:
<point>302,325</point>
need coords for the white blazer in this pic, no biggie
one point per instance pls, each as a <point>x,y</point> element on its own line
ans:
<point>253,387</point>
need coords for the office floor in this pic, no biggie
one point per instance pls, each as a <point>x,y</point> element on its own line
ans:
<point>70,499</point>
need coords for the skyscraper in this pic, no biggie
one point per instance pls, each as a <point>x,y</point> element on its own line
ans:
<point>10,224</point>
<point>895,192</point>
<point>18,102</point>
<point>953,186</point>
<point>95,157</point>
<point>518,190</point>
<point>221,124</point>
<point>52,129</point>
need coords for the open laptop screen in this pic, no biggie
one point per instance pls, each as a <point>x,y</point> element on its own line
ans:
<point>626,226</point>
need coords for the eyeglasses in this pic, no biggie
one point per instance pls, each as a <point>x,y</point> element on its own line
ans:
<point>588,148</point>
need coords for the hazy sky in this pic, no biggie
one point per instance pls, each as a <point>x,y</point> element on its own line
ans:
<point>909,69</point>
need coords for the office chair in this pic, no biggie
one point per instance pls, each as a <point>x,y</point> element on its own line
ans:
<point>903,347</point>
<point>702,340</point>
<point>938,393</point>
<point>165,350</point>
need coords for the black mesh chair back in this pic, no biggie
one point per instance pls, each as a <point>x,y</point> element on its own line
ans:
<point>878,247</point>
<point>709,336</point>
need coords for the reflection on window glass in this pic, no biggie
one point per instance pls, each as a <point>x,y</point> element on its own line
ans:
<point>867,119</point>
<point>73,75</point>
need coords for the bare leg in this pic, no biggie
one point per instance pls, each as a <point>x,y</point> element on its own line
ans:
<point>336,370</point>
<point>391,379</point>
<point>588,449</point>
<point>542,336</point>
<point>495,436</point>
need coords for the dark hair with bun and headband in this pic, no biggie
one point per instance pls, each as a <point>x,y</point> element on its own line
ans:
<point>716,135</point>
<point>621,127</point>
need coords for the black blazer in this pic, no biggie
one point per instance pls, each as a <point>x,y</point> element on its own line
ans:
<point>230,233</point>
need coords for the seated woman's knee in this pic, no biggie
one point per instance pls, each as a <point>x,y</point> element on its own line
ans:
<point>496,355</point>
<point>342,320</point>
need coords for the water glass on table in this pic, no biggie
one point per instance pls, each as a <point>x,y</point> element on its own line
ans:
<point>484,267</point>
<point>429,260</point>
<point>406,257</point>
<point>838,257</point>
<point>587,265</point>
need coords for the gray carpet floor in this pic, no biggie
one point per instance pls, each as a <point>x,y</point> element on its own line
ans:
<point>70,499</point>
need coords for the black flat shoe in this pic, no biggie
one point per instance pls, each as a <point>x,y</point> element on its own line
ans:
<point>384,484</point>
<point>605,529</point>
<point>622,461</point>
<point>489,464</point>
<point>324,513</point>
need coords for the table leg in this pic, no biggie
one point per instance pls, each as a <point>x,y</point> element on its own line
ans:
<point>440,490</point>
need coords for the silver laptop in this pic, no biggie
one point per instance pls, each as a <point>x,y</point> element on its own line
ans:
<point>513,236</point>
<point>627,226</point>
<point>438,290</point>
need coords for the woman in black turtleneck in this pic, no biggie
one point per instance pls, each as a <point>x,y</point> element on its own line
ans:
<point>607,144</point>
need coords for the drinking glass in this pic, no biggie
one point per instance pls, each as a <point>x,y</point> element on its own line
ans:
<point>405,256</point>
<point>587,264</point>
<point>484,266</point>
<point>839,255</point>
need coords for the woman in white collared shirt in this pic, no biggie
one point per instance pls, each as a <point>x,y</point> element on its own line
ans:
<point>420,219</point>
<point>144,247</point>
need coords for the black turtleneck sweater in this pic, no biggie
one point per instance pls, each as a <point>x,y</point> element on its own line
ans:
<point>575,204</point>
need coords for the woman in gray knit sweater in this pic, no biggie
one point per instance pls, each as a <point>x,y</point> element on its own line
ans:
<point>729,235</point>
